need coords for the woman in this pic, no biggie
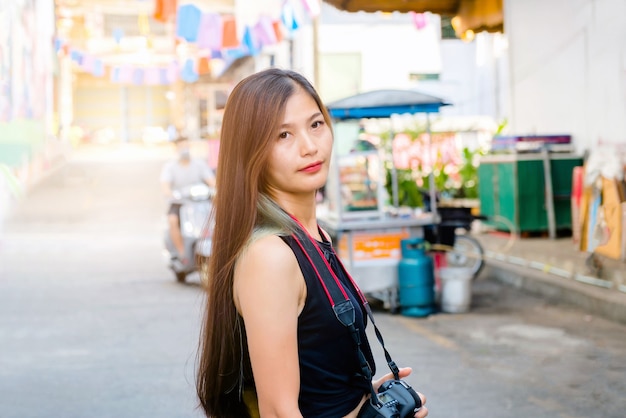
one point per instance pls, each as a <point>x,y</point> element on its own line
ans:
<point>270,338</point>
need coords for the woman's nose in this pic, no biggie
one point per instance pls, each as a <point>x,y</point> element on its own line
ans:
<point>308,145</point>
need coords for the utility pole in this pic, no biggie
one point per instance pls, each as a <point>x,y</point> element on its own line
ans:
<point>316,61</point>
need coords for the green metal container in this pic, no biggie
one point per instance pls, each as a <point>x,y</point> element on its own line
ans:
<point>512,186</point>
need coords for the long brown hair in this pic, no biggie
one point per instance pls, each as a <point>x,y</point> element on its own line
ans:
<point>253,112</point>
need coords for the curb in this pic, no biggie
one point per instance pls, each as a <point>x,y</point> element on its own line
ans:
<point>595,300</point>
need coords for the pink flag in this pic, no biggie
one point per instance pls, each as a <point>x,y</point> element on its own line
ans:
<point>163,76</point>
<point>419,20</point>
<point>172,72</point>
<point>313,7</point>
<point>152,76</point>
<point>126,74</point>
<point>264,31</point>
<point>210,31</point>
<point>88,63</point>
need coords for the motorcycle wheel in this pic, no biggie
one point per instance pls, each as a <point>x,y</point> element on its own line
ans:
<point>181,276</point>
<point>467,253</point>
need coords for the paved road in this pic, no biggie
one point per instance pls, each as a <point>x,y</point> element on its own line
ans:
<point>93,325</point>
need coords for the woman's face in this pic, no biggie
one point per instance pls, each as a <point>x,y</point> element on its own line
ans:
<point>299,161</point>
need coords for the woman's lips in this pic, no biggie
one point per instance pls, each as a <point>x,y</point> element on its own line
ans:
<point>313,168</point>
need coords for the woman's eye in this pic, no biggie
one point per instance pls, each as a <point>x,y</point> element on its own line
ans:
<point>317,124</point>
<point>283,135</point>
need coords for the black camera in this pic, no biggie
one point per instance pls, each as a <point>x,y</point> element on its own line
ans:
<point>396,399</point>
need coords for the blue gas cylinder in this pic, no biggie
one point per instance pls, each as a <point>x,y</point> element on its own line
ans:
<point>416,279</point>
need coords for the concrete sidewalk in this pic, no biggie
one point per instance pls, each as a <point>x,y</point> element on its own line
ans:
<point>557,270</point>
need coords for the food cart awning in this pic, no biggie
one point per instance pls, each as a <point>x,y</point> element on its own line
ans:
<point>383,104</point>
<point>468,15</point>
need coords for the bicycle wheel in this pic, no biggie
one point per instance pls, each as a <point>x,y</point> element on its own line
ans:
<point>467,253</point>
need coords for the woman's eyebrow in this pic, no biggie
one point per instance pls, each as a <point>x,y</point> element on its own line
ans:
<point>313,116</point>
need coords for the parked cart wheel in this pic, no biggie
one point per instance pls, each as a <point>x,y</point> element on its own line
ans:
<point>467,253</point>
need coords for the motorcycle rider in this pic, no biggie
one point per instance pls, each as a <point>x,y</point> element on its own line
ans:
<point>176,175</point>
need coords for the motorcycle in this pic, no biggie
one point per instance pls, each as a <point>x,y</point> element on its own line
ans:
<point>196,204</point>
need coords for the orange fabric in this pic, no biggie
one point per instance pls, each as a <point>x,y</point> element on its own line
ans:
<point>164,9</point>
<point>204,66</point>
<point>278,30</point>
<point>229,38</point>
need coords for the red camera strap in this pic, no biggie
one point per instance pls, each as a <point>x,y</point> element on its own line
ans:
<point>338,297</point>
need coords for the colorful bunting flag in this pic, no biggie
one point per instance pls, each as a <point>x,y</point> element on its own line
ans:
<point>163,76</point>
<point>98,68</point>
<point>278,30</point>
<point>231,54</point>
<point>264,31</point>
<point>164,10</point>
<point>215,36</point>
<point>126,74</point>
<point>300,12</point>
<point>204,66</point>
<point>87,63</point>
<point>137,76</point>
<point>172,72</point>
<point>118,34</point>
<point>288,17</point>
<point>313,7</point>
<point>76,56</point>
<point>419,20</point>
<point>251,42</point>
<point>189,73</point>
<point>152,76</point>
<point>115,74</point>
<point>229,33</point>
<point>188,22</point>
<point>210,32</point>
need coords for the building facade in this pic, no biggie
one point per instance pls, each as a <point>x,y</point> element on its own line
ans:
<point>567,69</point>
<point>27,76</point>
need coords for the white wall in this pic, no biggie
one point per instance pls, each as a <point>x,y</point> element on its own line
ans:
<point>472,76</point>
<point>568,69</point>
<point>390,46</point>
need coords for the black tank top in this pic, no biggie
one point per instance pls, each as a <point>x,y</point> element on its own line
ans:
<point>331,382</point>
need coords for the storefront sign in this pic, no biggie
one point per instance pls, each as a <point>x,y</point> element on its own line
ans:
<point>373,245</point>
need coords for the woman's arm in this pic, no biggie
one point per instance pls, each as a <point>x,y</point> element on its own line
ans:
<point>269,293</point>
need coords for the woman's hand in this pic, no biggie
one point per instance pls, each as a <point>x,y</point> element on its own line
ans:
<point>403,372</point>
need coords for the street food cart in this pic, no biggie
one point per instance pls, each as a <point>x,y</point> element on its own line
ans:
<point>367,225</point>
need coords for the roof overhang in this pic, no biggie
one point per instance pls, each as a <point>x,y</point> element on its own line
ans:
<point>442,7</point>
<point>468,15</point>
<point>383,104</point>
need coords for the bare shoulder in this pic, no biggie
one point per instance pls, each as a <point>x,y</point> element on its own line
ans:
<point>269,251</point>
<point>267,269</point>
